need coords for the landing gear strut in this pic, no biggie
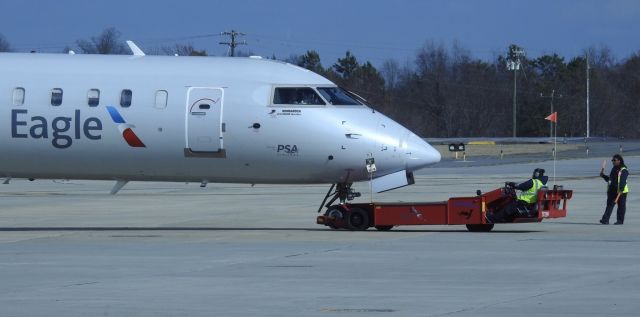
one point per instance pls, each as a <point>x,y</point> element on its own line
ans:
<point>343,192</point>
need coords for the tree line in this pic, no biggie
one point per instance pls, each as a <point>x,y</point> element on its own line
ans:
<point>446,92</point>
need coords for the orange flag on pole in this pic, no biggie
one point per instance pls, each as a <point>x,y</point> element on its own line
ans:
<point>553,117</point>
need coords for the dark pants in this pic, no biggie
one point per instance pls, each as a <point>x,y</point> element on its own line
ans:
<point>622,207</point>
<point>516,209</point>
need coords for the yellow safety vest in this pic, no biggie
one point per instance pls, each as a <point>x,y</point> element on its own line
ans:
<point>531,195</point>
<point>626,186</point>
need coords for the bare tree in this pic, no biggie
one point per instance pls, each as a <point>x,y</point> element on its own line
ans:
<point>391,73</point>
<point>108,42</point>
<point>184,50</point>
<point>241,53</point>
<point>4,44</point>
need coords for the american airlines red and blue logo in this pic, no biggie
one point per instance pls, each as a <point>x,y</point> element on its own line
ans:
<point>125,128</point>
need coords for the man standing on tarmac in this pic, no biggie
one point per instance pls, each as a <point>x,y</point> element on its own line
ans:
<point>616,190</point>
<point>525,205</point>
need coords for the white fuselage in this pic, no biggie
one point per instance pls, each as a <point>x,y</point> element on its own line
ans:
<point>189,119</point>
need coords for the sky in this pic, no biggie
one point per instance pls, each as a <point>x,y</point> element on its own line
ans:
<point>373,30</point>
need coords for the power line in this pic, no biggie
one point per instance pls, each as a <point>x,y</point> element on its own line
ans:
<point>43,47</point>
<point>233,43</point>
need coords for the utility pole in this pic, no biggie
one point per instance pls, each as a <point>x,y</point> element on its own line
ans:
<point>513,63</point>
<point>587,95</point>
<point>552,96</point>
<point>233,43</point>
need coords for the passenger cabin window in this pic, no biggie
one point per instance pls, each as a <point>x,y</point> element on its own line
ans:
<point>296,96</point>
<point>338,96</point>
<point>93,97</point>
<point>161,99</point>
<point>18,96</point>
<point>56,97</point>
<point>125,98</point>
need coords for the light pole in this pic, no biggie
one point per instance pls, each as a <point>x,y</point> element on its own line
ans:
<point>587,95</point>
<point>513,63</point>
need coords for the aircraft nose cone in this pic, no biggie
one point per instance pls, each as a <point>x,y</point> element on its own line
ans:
<point>420,154</point>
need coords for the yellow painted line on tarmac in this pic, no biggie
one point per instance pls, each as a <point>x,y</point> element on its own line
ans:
<point>482,143</point>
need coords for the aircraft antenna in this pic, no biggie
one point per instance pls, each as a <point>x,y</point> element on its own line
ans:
<point>234,42</point>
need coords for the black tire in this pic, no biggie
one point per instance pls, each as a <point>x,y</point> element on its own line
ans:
<point>384,228</point>
<point>480,228</point>
<point>358,219</point>
<point>336,213</point>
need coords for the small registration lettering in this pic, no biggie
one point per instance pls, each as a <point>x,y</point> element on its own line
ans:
<point>285,112</point>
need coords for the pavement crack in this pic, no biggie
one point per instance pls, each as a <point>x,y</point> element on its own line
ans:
<point>80,284</point>
<point>297,254</point>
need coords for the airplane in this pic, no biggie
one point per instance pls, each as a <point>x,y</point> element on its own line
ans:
<point>195,119</point>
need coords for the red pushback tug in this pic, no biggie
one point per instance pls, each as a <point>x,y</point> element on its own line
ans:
<point>469,211</point>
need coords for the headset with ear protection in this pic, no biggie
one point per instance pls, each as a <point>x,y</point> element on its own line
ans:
<point>537,173</point>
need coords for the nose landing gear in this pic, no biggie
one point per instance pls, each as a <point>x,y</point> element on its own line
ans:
<point>344,217</point>
<point>343,192</point>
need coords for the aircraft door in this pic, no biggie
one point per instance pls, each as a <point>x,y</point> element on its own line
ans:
<point>204,125</point>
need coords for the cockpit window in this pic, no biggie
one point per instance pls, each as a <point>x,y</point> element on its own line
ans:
<point>338,96</point>
<point>296,96</point>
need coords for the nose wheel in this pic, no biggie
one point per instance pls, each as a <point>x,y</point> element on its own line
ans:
<point>341,217</point>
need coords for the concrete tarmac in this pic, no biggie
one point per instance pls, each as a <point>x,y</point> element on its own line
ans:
<point>68,248</point>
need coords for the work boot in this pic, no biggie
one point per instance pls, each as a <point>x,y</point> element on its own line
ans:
<point>604,222</point>
<point>618,223</point>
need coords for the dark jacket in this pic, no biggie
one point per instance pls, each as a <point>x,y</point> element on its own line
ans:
<point>613,179</point>
<point>528,184</point>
